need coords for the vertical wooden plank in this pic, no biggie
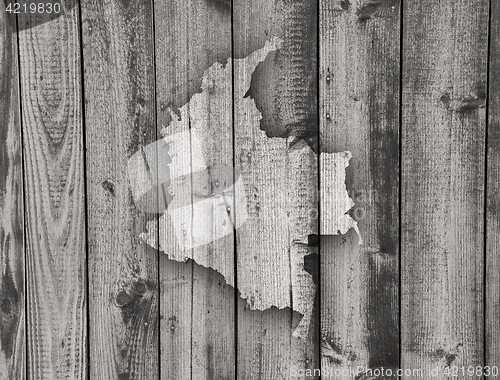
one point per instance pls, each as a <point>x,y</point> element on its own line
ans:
<point>197,329</point>
<point>55,195</point>
<point>12,305</point>
<point>118,53</point>
<point>443,161</point>
<point>275,140</point>
<point>493,195</point>
<point>359,103</point>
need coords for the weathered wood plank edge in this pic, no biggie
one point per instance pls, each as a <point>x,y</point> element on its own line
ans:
<point>492,194</point>
<point>12,227</point>
<point>85,191</point>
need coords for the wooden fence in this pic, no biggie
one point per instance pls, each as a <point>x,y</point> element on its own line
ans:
<point>410,88</point>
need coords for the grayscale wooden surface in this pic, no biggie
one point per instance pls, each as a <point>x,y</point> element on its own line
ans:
<point>410,88</point>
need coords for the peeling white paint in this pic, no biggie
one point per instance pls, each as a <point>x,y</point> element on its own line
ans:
<point>335,201</point>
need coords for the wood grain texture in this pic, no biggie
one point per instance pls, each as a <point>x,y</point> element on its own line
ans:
<point>152,317</point>
<point>492,328</point>
<point>54,192</point>
<point>118,54</point>
<point>359,102</point>
<point>12,295</point>
<point>197,329</point>
<point>443,163</point>
<point>279,170</point>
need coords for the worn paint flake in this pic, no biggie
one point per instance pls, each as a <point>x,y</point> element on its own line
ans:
<point>335,201</point>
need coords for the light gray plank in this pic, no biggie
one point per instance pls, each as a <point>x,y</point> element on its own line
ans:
<point>118,58</point>
<point>54,183</point>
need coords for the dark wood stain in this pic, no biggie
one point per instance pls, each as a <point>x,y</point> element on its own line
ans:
<point>109,187</point>
<point>224,6</point>
<point>367,11</point>
<point>471,104</point>
<point>384,164</point>
<point>10,310</point>
<point>445,98</point>
<point>383,338</point>
<point>373,8</point>
<point>383,100</point>
<point>345,4</point>
<point>136,301</point>
<point>210,359</point>
<point>140,316</point>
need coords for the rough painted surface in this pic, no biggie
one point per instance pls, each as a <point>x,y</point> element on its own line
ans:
<point>198,116</point>
<point>255,283</point>
<point>280,166</point>
<point>12,305</point>
<point>216,89</point>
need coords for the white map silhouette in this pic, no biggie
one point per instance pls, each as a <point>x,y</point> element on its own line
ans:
<point>268,274</point>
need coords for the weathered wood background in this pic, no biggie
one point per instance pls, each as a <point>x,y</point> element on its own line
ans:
<point>411,88</point>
